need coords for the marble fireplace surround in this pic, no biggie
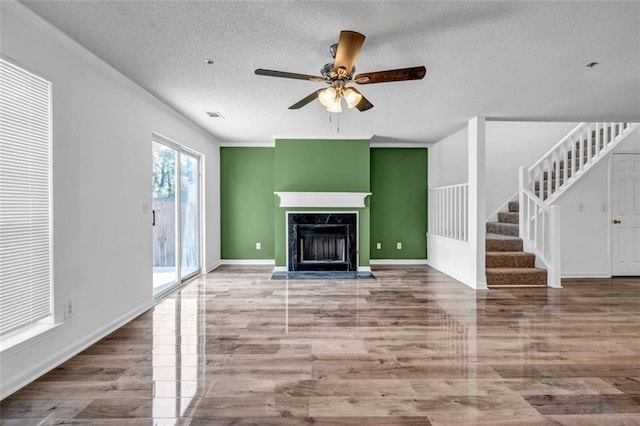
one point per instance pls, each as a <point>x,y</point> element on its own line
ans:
<point>324,201</point>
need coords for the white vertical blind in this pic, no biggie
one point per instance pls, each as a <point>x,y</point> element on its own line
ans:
<point>25,218</point>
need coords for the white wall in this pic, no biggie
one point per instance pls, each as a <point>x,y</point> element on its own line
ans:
<point>102,126</point>
<point>511,145</point>
<point>448,160</point>
<point>462,260</point>
<point>586,234</point>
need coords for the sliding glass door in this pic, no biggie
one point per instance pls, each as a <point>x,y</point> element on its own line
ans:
<point>176,215</point>
<point>189,217</point>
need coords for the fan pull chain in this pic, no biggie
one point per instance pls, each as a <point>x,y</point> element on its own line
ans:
<point>338,124</point>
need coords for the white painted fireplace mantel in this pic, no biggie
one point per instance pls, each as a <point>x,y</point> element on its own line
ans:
<point>322,199</point>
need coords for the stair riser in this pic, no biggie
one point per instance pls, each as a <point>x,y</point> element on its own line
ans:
<point>523,260</point>
<point>503,229</point>
<point>503,245</point>
<point>538,277</point>
<point>509,217</point>
<point>514,206</point>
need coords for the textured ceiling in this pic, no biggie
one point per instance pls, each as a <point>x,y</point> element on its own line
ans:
<point>505,60</point>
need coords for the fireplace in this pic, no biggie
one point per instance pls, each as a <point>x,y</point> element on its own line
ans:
<point>322,241</point>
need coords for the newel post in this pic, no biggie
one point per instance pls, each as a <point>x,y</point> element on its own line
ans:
<point>554,275</point>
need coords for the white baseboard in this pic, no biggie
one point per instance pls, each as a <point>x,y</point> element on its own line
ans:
<point>51,362</point>
<point>374,262</point>
<point>580,275</point>
<point>267,262</point>
<point>364,268</point>
<point>214,266</point>
<point>280,269</point>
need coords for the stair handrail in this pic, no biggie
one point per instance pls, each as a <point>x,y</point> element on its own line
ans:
<point>573,155</point>
<point>537,237</point>
<point>553,148</point>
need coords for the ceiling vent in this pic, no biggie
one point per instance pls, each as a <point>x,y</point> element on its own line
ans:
<point>214,114</point>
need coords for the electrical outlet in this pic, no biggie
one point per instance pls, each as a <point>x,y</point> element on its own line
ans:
<point>258,246</point>
<point>399,246</point>
<point>378,246</point>
<point>69,309</point>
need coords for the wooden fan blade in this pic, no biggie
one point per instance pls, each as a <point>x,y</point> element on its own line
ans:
<point>282,74</point>
<point>364,103</point>
<point>304,101</point>
<point>401,74</point>
<point>349,46</point>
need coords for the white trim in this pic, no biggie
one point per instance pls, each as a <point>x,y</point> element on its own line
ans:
<point>364,269</point>
<point>11,345</point>
<point>375,262</point>
<point>582,275</point>
<point>49,363</point>
<point>248,144</point>
<point>68,43</point>
<point>268,262</point>
<point>329,136</point>
<point>323,199</point>
<point>400,145</point>
<point>280,269</point>
<point>214,266</point>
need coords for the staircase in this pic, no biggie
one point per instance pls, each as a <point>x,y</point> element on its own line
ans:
<point>563,165</point>
<point>507,265</point>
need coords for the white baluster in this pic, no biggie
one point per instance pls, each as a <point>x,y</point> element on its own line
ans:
<point>582,144</point>
<point>540,181</point>
<point>466,213</point>
<point>597,125</point>
<point>589,143</point>
<point>456,217</point>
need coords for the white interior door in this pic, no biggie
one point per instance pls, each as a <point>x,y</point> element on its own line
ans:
<point>625,214</point>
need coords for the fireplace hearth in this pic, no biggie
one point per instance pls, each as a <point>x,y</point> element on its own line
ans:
<point>322,241</point>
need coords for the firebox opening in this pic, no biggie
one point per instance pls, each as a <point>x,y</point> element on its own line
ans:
<point>322,241</point>
<point>322,244</point>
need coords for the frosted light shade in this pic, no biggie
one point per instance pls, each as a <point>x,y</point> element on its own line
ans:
<point>327,97</point>
<point>335,107</point>
<point>352,97</point>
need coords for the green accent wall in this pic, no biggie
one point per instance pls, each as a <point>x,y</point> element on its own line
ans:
<point>317,165</point>
<point>399,202</point>
<point>395,212</point>
<point>247,203</point>
<point>321,165</point>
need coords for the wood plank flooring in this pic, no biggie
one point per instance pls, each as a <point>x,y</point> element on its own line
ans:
<point>413,347</point>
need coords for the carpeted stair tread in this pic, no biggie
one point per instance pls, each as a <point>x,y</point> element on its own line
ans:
<point>499,242</point>
<point>514,206</point>
<point>512,229</point>
<point>510,259</point>
<point>516,276</point>
<point>509,217</point>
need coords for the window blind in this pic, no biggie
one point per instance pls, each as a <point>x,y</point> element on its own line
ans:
<point>25,218</point>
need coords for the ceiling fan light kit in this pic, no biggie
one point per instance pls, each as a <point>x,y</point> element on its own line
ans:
<point>341,72</point>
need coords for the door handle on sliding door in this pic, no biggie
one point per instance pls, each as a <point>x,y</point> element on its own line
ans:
<point>153,215</point>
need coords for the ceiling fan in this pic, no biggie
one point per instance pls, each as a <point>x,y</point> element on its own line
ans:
<point>341,72</point>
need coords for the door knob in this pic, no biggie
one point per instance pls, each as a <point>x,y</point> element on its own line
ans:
<point>616,221</point>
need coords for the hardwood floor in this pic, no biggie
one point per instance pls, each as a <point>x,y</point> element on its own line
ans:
<point>413,347</point>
